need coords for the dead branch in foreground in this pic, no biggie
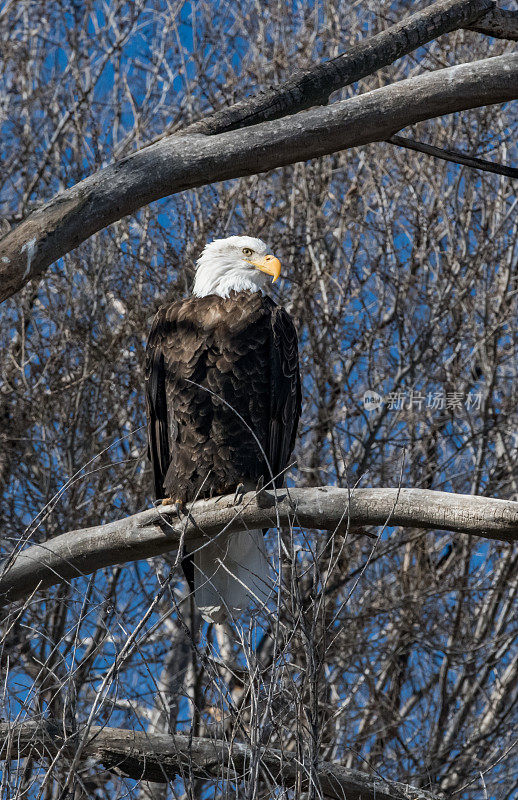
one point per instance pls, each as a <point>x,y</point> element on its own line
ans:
<point>159,530</point>
<point>161,757</point>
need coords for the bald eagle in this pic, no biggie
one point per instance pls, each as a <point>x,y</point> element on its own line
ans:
<point>223,400</point>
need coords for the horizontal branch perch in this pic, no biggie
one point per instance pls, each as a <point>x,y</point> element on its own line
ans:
<point>157,531</point>
<point>160,757</point>
<point>182,162</point>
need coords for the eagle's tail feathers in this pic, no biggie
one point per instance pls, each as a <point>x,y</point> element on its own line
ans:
<point>230,573</point>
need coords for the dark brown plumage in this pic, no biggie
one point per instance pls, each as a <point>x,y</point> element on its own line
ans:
<point>208,358</point>
<point>223,401</point>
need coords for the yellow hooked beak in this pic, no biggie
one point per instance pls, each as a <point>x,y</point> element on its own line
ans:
<point>268,264</point>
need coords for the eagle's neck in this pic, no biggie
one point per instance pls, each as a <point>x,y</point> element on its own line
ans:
<point>217,276</point>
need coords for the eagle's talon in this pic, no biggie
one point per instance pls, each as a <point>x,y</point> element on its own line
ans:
<point>178,505</point>
<point>238,494</point>
<point>263,500</point>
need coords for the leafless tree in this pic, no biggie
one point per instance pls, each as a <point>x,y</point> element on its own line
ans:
<point>384,663</point>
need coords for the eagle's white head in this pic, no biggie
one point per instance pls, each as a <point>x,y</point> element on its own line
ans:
<point>241,263</point>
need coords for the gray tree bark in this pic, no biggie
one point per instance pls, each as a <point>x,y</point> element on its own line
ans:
<point>312,87</point>
<point>157,531</point>
<point>499,23</point>
<point>177,163</point>
<point>160,757</point>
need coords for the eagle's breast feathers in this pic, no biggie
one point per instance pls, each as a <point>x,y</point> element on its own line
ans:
<point>223,394</point>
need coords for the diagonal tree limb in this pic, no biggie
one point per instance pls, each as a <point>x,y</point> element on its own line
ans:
<point>454,156</point>
<point>498,23</point>
<point>161,757</point>
<point>157,531</point>
<point>178,163</point>
<point>313,86</point>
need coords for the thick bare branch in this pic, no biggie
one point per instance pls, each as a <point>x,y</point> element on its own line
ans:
<point>156,531</point>
<point>314,86</point>
<point>498,23</point>
<point>177,163</point>
<point>160,757</point>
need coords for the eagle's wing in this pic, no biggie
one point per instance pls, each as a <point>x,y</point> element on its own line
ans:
<point>285,392</point>
<point>156,399</point>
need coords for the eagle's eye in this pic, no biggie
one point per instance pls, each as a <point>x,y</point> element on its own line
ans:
<point>247,251</point>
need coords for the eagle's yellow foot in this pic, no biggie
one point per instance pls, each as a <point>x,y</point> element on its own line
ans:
<point>238,494</point>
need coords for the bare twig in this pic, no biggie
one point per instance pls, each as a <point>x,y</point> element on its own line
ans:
<point>454,156</point>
